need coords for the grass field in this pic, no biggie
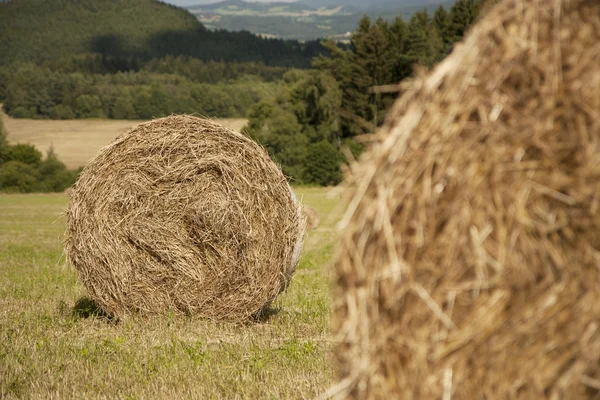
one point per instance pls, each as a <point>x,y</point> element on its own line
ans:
<point>75,141</point>
<point>51,347</point>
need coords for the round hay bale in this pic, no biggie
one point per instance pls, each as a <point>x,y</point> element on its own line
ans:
<point>469,261</point>
<point>312,217</point>
<point>183,215</point>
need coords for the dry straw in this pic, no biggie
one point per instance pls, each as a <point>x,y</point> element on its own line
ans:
<point>183,215</point>
<point>469,263</point>
<point>313,219</point>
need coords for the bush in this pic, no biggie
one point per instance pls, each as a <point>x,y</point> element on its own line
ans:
<point>54,174</point>
<point>18,177</point>
<point>3,145</point>
<point>25,153</point>
<point>322,164</point>
<point>22,169</point>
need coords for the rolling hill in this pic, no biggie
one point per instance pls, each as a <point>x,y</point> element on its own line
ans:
<point>372,4</point>
<point>305,20</point>
<point>41,30</point>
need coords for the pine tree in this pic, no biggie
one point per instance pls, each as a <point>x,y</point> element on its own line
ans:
<point>462,15</point>
<point>441,22</point>
<point>398,32</point>
<point>419,46</point>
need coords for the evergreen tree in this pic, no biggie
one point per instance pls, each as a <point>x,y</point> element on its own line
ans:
<point>462,15</point>
<point>419,47</point>
<point>398,33</point>
<point>441,20</point>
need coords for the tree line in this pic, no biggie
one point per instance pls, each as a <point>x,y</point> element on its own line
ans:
<point>31,91</point>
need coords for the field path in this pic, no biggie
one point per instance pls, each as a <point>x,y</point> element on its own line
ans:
<point>76,141</point>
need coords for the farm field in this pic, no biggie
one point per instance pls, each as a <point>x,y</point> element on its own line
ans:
<point>52,345</point>
<point>76,141</point>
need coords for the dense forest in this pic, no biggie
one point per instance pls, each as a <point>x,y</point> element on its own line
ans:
<point>132,60</point>
<point>317,113</point>
<point>42,30</point>
<point>33,91</point>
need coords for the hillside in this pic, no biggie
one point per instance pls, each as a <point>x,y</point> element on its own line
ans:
<point>372,4</point>
<point>307,20</point>
<point>40,30</point>
<point>235,6</point>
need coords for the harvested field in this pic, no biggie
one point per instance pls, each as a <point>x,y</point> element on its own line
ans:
<point>76,141</point>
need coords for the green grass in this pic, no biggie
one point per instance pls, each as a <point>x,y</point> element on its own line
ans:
<point>50,346</point>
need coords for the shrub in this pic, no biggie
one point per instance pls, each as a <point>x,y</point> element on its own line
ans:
<point>18,177</point>
<point>54,174</point>
<point>25,153</point>
<point>322,164</point>
<point>3,145</point>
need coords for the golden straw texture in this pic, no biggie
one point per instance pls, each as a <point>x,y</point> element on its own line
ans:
<point>313,219</point>
<point>183,215</point>
<point>469,261</point>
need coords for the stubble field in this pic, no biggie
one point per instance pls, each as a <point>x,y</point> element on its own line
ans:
<point>76,141</point>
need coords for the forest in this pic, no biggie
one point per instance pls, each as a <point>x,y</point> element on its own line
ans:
<point>316,114</point>
<point>41,30</point>
<point>304,117</point>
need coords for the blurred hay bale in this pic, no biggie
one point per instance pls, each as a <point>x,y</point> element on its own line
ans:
<point>313,220</point>
<point>468,266</point>
<point>183,215</point>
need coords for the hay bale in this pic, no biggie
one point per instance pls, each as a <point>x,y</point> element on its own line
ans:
<point>183,215</point>
<point>468,266</point>
<point>313,220</point>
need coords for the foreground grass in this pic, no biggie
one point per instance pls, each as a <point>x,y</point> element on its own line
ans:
<point>51,347</point>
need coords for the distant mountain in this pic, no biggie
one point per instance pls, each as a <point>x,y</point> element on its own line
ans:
<point>188,3</point>
<point>307,19</point>
<point>234,6</point>
<point>141,29</point>
<point>372,4</point>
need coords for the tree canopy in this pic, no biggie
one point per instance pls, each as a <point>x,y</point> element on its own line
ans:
<point>315,114</point>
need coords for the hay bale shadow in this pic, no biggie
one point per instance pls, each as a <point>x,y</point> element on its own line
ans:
<point>266,314</point>
<point>86,307</point>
